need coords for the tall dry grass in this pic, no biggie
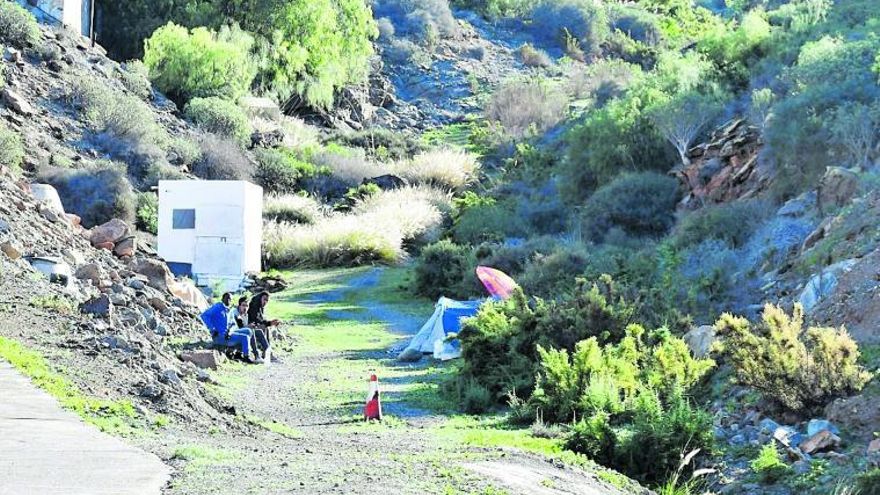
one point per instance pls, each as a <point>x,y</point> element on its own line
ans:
<point>375,231</point>
<point>292,208</point>
<point>447,168</point>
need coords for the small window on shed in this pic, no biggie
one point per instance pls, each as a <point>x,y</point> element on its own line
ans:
<point>183,219</point>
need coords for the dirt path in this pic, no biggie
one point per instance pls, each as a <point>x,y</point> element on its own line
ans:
<point>338,453</point>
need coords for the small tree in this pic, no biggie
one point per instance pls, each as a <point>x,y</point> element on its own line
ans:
<point>681,118</point>
<point>855,126</point>
<point>760,107</point>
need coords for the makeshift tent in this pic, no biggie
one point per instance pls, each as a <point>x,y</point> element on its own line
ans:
<point>432,338</point>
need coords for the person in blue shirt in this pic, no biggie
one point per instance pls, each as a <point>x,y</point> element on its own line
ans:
<point>216,318</point>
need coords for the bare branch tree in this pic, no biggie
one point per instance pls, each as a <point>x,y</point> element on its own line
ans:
<point>681,119</point>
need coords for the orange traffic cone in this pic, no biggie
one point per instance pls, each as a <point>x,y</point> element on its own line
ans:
<point>373,408</point>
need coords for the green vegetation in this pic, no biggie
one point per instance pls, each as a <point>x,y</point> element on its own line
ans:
<point>782,359</point>
<point>445,269</point>
<point>54,303</point>
<point>868,483</point>
<point>769,465</point>
<point>200,63</point>
<point>11,148</point>
<point>221,117</point>
<point>148,212</point>
<point>17,26</point>
<point>282,170</point>
<point>117,417</point>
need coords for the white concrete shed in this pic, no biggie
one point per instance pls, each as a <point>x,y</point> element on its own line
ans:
<point>211,230</point>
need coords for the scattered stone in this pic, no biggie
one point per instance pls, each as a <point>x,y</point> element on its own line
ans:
<point>801,467</point>
<point>136,284</point>
<point>17,102</point>
<point>824,440</point>
<point>700,340</point>
<point>10,250</point>
<point>837,187</point>
<point>874,447</point>
<point>110,232</point>
<point>204,359</point>
<point>4,226</point>
<point>151,391</point>
<point>387,182</point>
<point>116,342</point>
<point>817,425</point>
<point>203,376</point>
<point>158,304</point>
<point>767,425</point>
<point>91,272</point>
<point>126,247</point>
<point>98,306</point>
<point>171,377</point>
<point>157,273</point>
<point>267,139</point>
<point>788,436</point>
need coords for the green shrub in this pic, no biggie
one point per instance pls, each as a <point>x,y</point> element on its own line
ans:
<point>593,437</point>
<point>550,275</point>
<point>868,483</point>
<point>500,345</point>
<point>18,26</point>
<point>768,465</point>
<point>188,64</point>
<point>534,57</point>
<point>486,223</point>
<point>799,369</point>
<point>222,160</point>
<point>281,170</point>
<point>445,269</point>
<point>148,212</point>
<point>135,77</point>
<point>476,398</point>
<point>526,108</point>
<point>513,258</point>
<point>639,204</point>
<point>11,148</point>
<point>736,48</point>
<point>221,117</point>
<point>734,223</point>
<point>584,20</point>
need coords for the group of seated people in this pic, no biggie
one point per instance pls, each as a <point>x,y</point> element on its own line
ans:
<point>243,329</point>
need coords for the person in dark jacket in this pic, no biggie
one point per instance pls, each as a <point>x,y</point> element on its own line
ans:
<point>257,314</point>
<point>239,318</point>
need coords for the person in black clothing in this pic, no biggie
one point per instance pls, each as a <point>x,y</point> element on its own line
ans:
<point>239,315</point>
<point>256,315</point>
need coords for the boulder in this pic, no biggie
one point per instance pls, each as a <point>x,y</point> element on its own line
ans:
<point>387,182</point>
<point>817,425</point>
<point>264,108</point>
<point>860,413</point>
<point>204,359</point>
<point>98,306</point>
<point>873,452</point>
<point>157,274</point>
<point>111,232</point>
<point>823,284</point>
<point>56,270</point>
<point>10,250</point>
<point>92,272</point>
<point>47,195</point>
<point>267,139</point>
<point>187,292</point>
<point>837,187</point>
<point>126,247</point>
<point>700,340</point>
<point>17,102</point>
<point>822,441</point>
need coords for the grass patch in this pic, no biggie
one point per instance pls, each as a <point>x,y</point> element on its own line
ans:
<point>54,303</point>
<point>275,427</point>
<point>115,417</point>
<point>200,456</point>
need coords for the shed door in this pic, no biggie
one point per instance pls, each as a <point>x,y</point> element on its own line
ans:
<point>218,256</point>
<point>219,243</point>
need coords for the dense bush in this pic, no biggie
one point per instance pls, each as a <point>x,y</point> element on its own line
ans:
<point>222,160</point>
<point>135,76</point>
<point>500,344</point>
<point>426,21</point>
<point>186,64</point>
<point>281,170</point>
<point>584,20</point>
<point>512,258</point>
<point>734,223</point>
<point>799,369</point>
<point>382,144</point>
<point>738,47</point>
<point>637,23</point>
<point>148,212</point>
<point>638,204</point>
<point>221,117</point>
<point>292,208</point>
<point>534,57</point>
<point>548,276</point>
<point>446,269</point>
<point>96,194</point>
<point>526,107</point>
<point>11,148</point>
<point>350,165</point>
<point>486,223</point>
<point>17,26</point>
<point>631,394</point>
